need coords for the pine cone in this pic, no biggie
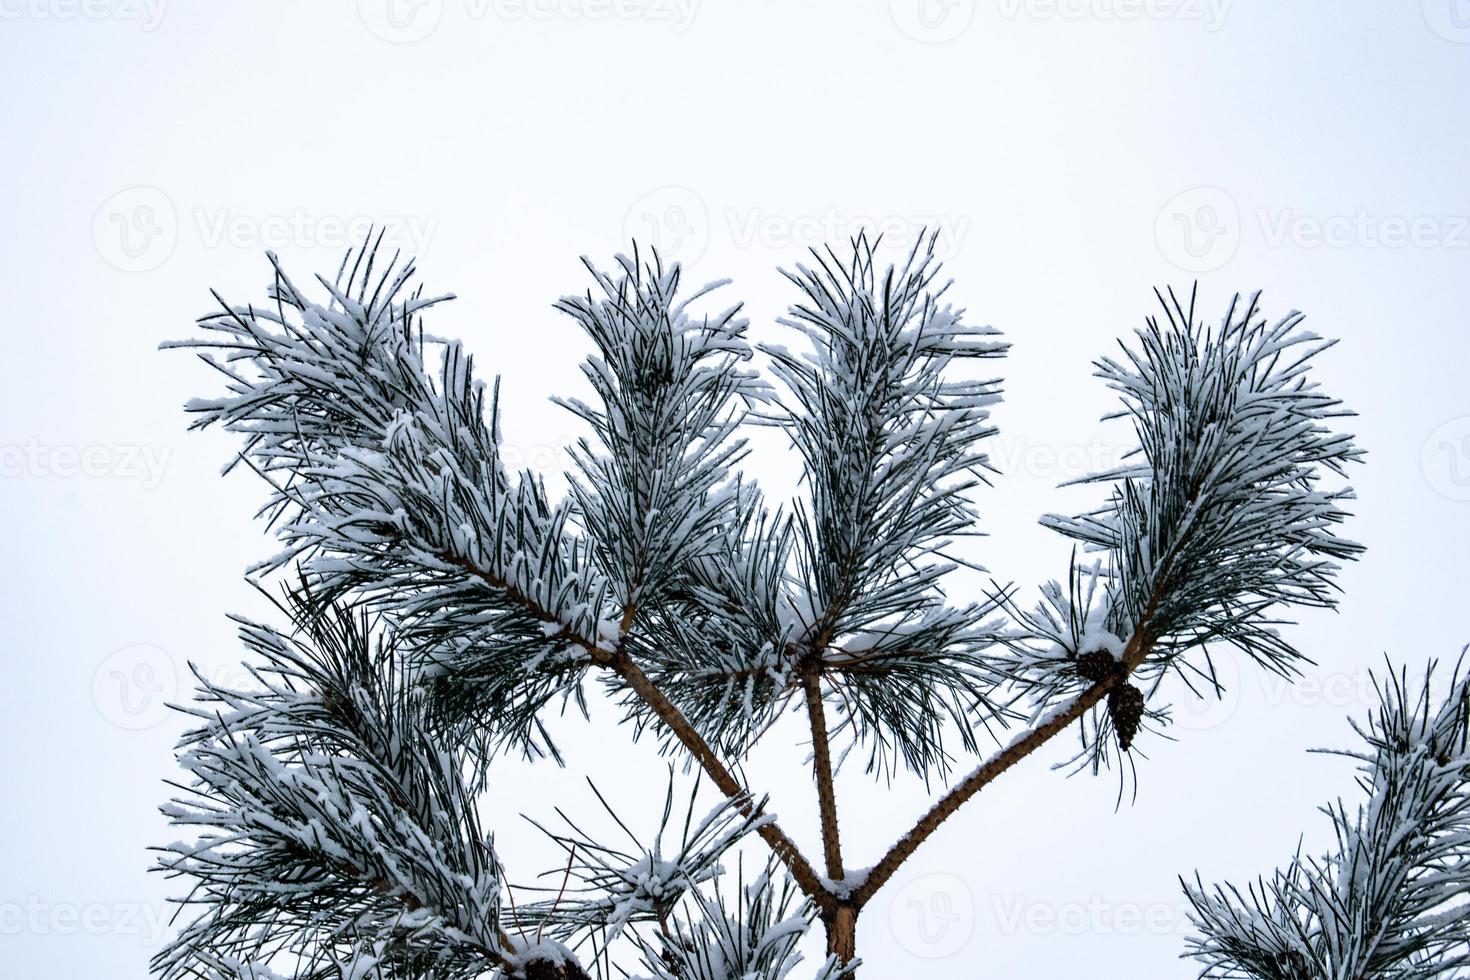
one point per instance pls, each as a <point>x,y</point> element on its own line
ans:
<point>554,970</point>
<point>1096,666</point>
<point>1125,707</point>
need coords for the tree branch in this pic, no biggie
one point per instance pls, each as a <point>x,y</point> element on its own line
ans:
<point>617,660</point>
<point>822,769</point>
<point>1133,655</point>
<point>784,848</point>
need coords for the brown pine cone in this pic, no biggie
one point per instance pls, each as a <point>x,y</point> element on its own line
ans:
<point>554,970</point>
<point>1097,665</point>
<point>1125,707</point>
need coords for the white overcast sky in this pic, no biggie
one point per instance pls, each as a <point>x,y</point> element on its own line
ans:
<point>1073,153</point>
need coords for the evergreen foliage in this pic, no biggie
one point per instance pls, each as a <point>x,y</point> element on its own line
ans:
<point>441,607</point>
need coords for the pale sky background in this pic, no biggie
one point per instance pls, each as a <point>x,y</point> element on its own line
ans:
<point>1074,154</point>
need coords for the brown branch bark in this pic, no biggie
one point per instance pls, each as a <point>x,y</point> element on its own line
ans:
<point>993,767</point>
<point>822,770</point>
<point>619,662</point>
<point>801,869</point>
<point>842,936</point>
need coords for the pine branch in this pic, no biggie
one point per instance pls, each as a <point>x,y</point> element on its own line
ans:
<point>1219,522</point>
<point>327,810</point>
<point>781,845</point>
<point>757,937</point>
<point>1021,747</point>
<point>719,643</point>
<point>889,440</point>
<point>616,889</point>
<point>822,774</point>
<point>349,837</point>
<point>1217,529</point>
<point>398,499</point>
<point>654,500</point>
<point>387,487</point>
<point>1391,899</point>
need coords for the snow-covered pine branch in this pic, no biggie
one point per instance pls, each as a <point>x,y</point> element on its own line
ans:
<point>695,562</point>
<point>890,438</point>
<point>445,604</point>
<point>719,646</point>
<point>654,499</point>
<point>386,484</point>
<point>1392,899</point>
<point>754,935</point>
<point>1218,527</point>
<point>333,828</point>
<point>606,888</point>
